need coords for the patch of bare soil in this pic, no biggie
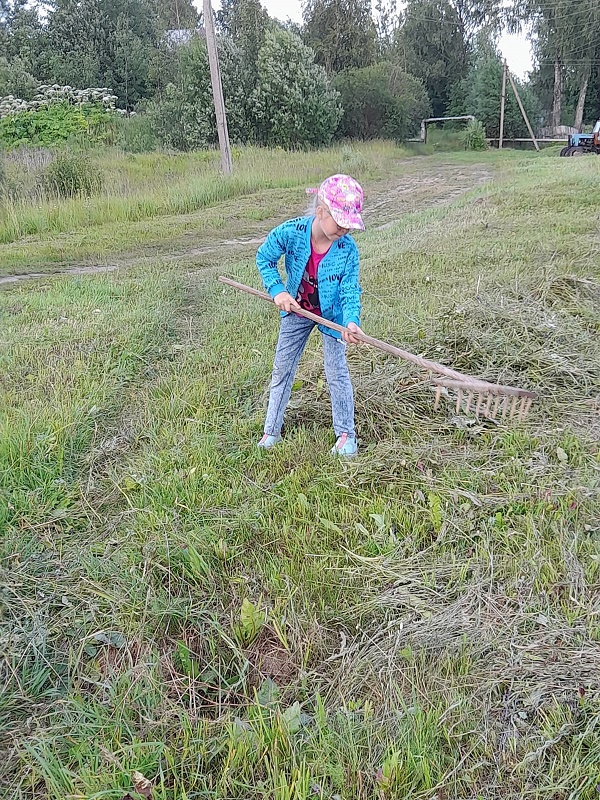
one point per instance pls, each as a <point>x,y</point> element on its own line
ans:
<point>431,187</point>
<point>269,659</point>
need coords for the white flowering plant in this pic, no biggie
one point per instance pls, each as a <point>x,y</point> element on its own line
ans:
<point>48,95</point>
<point>56,114</point>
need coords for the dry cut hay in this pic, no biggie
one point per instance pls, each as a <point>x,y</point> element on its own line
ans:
<point>497,656</point>
<point>545,340</point>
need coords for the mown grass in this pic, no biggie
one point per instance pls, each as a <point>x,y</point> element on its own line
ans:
<point>420,623</point>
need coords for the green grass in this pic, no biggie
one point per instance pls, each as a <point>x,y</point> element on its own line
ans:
<point>154,204</point>
<point>233,624</point>
<point>145,186</point>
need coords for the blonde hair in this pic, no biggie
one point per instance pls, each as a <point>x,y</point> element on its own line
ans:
<point>314,201</point>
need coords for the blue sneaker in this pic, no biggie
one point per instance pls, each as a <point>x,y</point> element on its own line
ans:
<point>268,441</point>
<point>346,446</point>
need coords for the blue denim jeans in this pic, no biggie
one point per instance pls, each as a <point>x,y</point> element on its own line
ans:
<point>293,336</point>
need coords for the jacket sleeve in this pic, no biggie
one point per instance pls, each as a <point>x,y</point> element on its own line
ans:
<point>268,256</point>
<point>350,290</point>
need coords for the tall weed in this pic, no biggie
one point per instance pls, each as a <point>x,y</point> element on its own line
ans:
<point>71,175</point>
<point>146,185</point>
<point>474,136</point>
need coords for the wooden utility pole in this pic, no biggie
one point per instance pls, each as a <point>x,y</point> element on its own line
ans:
<point>502,102</point>
<point>525,117</point>
<point>217,88</point>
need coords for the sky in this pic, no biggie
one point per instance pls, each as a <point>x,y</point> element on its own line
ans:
<point>515,49</point>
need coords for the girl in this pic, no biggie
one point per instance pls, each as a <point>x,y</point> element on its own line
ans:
<point>321,265</point>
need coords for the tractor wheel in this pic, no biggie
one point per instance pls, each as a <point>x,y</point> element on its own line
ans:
<point>578,151</point>
<point>563,152</point>
<point>569,150</point>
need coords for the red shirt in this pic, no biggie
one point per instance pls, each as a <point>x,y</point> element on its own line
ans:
<point>308,292</point>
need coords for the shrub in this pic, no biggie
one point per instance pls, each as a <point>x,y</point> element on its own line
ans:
<point>474,136</point>
<point>170,119</point>
<point>53,124</point>
<point>70,175</point>
<point>479,94</point>
<point>294,103</point>
<point>134,134</point>
<point>381,101</point>
<point>183,118</point>
<point>22,169</point>
<point>16,80</point>
<point>55,95</point>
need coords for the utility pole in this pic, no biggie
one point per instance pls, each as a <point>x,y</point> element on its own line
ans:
<point>525,117</point>
<point>217,88</point>
<point>502,102</point>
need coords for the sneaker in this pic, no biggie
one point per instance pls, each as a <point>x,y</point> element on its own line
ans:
<point>268,441</point>
<point>345,446</point>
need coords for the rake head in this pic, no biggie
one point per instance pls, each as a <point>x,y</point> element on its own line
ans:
<point>485,399</point>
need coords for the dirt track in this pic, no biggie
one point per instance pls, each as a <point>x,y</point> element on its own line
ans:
<point>424,185</point>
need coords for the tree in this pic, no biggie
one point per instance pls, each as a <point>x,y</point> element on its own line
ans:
<point>341,32</point>
<point>184,117</point>
<point>580,98</point>
<point>103,43</point>
<point>475,17</point>
<point>592,107</point>
<point>381,101</point>
<point>294,102</point>
<point>551,36</point>
<point>245,22</point>
<point>20,33</point>
<point>77,35</point>
<point>387,19</point>
<point>567,36</point>
<point>479,94</point>
<point>16,80</point>
<point>128,76</point>
<point>123,44</point>
<point>174,14</point>
<point>430,45</point>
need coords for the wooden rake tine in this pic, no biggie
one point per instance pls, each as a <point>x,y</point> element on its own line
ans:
<point>452,379</point>
<point>505,400</point>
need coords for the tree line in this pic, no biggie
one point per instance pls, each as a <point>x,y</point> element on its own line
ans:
<point>351,69</point>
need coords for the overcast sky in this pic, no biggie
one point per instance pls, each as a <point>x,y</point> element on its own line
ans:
<point>515,49</point>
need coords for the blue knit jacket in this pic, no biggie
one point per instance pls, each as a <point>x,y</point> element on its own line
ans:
<point>339,289</point>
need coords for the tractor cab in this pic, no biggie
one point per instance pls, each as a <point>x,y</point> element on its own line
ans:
<point>583,143</point>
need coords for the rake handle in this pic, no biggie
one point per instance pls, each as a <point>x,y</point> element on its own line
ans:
<point>363,337</point>
<point>466,382</point>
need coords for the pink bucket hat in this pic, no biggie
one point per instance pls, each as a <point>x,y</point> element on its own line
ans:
<point>344,197</point>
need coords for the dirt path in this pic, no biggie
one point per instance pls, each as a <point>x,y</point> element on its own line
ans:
<point>422,186</point>
<point>132,261</point>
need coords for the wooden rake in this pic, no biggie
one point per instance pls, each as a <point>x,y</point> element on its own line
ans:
<point>480,397</point>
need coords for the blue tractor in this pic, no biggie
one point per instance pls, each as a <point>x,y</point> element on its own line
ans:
<point>580,144</point>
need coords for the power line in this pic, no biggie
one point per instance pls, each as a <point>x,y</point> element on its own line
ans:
<point>582,9</point>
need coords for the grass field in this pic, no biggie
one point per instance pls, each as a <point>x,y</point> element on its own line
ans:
<point>152,198</point>
<point>421,623</point>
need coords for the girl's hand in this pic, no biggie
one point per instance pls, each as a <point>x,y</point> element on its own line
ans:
<point>347,337</point>
<point>285,302</point>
